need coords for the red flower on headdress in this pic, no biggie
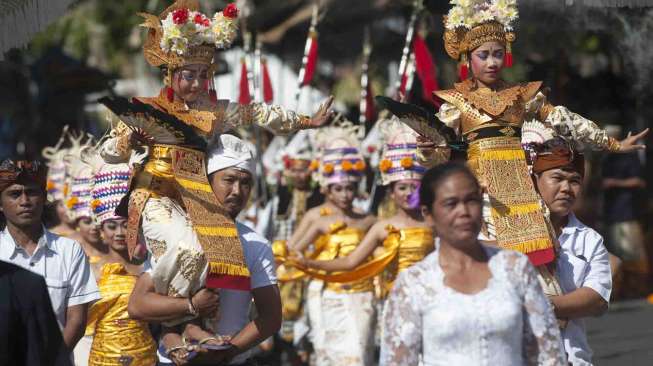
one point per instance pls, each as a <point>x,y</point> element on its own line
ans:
<point>201,20</point>
<point>287,161</point>
<point>230,11</point>
<point>180,16</point>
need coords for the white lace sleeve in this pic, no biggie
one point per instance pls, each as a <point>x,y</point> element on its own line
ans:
<point>542,343</point>
<point>402,323</point>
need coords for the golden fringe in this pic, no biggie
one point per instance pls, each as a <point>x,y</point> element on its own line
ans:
<point>502,155</point>
<point>532,245</point>
<point>197,186</point>
<point>216,231</point>
<point>228,269</point>
<point>513,210</point>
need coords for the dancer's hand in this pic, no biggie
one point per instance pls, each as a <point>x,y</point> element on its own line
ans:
<point>629,144</point>
<point>324,114</point>
<point>206,302</point>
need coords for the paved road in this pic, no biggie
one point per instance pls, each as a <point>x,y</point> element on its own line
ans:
<point>623,336</point>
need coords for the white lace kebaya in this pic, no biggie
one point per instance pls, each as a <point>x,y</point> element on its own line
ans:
<point>510,322</point>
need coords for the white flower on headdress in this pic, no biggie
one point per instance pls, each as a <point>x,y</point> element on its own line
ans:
<point>223,30</point>
<point>470,13</point>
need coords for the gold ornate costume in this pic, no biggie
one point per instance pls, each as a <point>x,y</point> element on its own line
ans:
<point>411,245</point>
<point>118,340</point>
<point>170,192</point>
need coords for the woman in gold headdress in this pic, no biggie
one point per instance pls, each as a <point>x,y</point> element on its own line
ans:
<point>192,242</point>
<point>488,113</point>
<point>341,315</point>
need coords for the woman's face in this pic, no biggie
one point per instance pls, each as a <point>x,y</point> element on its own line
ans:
<point>342,195</point>
<point>189,82</point>
<point>88,230</point>
<point>456,210</point>
<point>487,61</point>
<point>115,234</point>
<point>403,193</point>
<point>62,213</point>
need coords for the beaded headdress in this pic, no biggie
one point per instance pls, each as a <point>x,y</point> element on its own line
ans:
<point>339,156</point>
<point>399,153</point>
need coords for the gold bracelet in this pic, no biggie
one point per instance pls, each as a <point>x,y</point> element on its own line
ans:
<point>613,144</point>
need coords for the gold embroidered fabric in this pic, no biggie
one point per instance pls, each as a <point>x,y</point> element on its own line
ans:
<point>480,106</point>
<point>500,164</point>
<point>118,340</point>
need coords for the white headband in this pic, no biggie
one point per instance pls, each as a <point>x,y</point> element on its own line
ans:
<point>230,152</point>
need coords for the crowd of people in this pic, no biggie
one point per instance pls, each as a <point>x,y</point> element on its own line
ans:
<point>130,250</point>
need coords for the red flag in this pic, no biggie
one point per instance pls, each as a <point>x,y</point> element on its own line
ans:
<point>425,68</point>
<point>268,93</point>
<point>370,111</point>
<point>244,97</point>
<point>311,59</point>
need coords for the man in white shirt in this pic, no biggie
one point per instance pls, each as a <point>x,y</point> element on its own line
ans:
<point>230,167</point>
<point>25,242</point>
<point>583,267</point>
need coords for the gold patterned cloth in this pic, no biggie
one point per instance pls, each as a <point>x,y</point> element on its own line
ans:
<point>490,121</point>
<point>118,340</point>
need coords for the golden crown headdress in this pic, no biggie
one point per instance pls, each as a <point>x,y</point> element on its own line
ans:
<point>470,23</point>
<point>182,35</point>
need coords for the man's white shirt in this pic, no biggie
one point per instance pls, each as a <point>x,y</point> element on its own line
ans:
<point>583,262</point>
<point>63,265</point>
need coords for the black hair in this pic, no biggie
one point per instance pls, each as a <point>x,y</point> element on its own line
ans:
<point>434,176</point>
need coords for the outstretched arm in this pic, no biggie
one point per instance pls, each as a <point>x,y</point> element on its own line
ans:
<point>372,240</point>
<point>276,118</point>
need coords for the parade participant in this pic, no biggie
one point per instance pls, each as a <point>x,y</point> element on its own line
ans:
<point>405,238</point>
<point>26,243</point>
<point>171,205</point>
<point>60,224</point>
<point>117,339</point>
<point>78,209</point>
<point>342,315</point>
<point>583,266</point>
<point>294,196</point>
<point>80,212</point>
<point>488,113</point>
<point>231,167</point>
<point>466,303</point>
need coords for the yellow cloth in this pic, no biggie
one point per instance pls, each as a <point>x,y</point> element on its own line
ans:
<point>411,245</point>
<point>118,340</point>
<point>340,242</point>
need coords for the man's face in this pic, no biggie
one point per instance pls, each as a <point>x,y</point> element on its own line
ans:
<point>559,189</point>
<point>22,205</point>
<point>232,187</point>
<point>299,175</point>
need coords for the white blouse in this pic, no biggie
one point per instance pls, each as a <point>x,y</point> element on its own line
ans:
<point>510,322</point>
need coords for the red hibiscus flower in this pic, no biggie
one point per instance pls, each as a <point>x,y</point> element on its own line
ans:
<point>180,16</point>
<point>201,19</point>
<point>231,11</point>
